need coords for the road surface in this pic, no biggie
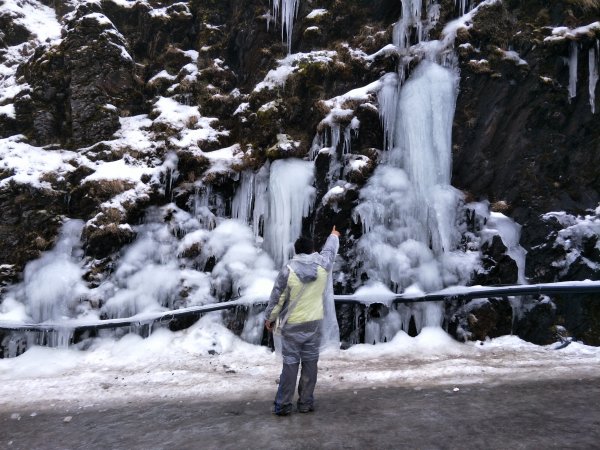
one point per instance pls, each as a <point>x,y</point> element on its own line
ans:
<point>524,415</point>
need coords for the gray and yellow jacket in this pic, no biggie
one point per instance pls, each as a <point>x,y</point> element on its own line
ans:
<point>304,278</point>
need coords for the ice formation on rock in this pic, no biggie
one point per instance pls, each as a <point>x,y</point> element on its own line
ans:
<point>593,57</point>
<point>288,10</point>
<point>573,59</point>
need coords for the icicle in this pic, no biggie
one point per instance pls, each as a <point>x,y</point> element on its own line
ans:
<point>200,207</point>
<point>351,130</point>
<point>409,21</point>
<point>347,139</point>
<point>335,136</point>
<point>428,314</point>
<point>383,329</point>
<point>426,111</point>
<point>462,6</point>
<point>594,55</point>
<point>241,206</point>
<point>388,105</point>
<point>573,54</point>
<point>317,145</point>
<point>261,200</point>
<point>253,325</point>
<point>291,196</point>
<point>289,10</point>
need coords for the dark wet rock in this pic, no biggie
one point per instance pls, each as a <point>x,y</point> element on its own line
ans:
<point>497,267</point>
<point>371,132</point>
<point>479,319</point>
<point>336,210</point>
<point>86,197</point>
<point>579,315</point>
<point>537,323</point>
<point>29,221</point>
<point>351,320</point>
<point>8,126</point>
<point>12,33</point>
<point>101,241</point>
<point>95,107</point>
<point>149,32</point>
<point>191,166</point>
<point>8,275</point>
<point>564,252</point>
<point>517,138</point>
<point>41,109</point>
<point>542,234</point>
<point>80,87</point>
<point>286,147</point>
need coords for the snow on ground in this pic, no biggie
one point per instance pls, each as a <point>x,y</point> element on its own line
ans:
<point>208,362</point>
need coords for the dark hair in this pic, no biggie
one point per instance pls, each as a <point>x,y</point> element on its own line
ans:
<point>304,245</point>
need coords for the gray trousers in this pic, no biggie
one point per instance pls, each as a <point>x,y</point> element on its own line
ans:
<point>299,346</point>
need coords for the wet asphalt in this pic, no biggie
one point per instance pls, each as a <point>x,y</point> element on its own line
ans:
<point>534,415</point>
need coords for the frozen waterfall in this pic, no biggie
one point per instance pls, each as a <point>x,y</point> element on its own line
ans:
<point>53,284</point>
<point>408,208</point>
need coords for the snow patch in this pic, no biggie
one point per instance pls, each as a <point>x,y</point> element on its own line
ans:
<point>290,64</point>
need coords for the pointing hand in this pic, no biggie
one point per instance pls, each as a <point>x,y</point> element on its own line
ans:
<point>335,232</point>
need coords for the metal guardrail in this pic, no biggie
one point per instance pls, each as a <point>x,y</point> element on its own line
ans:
<point>75,325</point>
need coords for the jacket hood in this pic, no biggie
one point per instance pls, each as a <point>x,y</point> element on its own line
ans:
<point>305,266</point>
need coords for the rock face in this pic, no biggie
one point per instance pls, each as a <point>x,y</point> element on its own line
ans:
<point>164,89</point>
<point>80,87</point>
<point>520,137</point>
<point>481,318</point>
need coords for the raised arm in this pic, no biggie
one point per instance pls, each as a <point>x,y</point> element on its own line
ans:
<point>330,249</point>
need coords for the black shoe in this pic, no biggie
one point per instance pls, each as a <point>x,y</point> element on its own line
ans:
<point>303,408</point>
<point>284,410</point>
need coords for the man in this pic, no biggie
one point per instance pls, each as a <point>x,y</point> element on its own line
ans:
<point>297,301</point>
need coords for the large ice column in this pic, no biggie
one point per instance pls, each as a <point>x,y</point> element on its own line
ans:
<point>422,146</point>
<point>288,10</point>
<point>291,196</point>
<point>423,141</point>
<point>594,55</point>
<point>408,208</point>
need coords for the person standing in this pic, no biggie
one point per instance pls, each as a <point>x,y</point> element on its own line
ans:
<point>296,311</point>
